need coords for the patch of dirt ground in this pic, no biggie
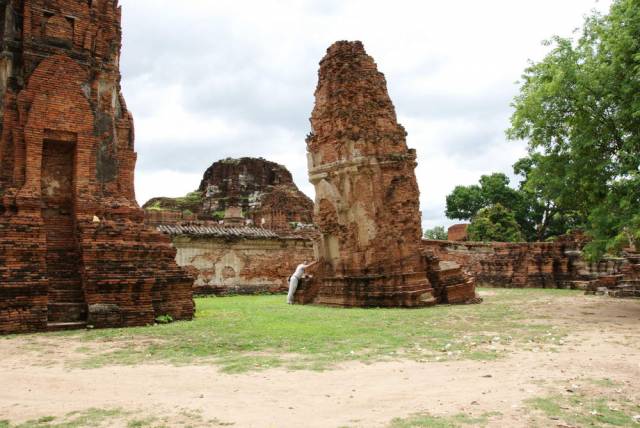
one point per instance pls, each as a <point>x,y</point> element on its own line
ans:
<point>603,343</point>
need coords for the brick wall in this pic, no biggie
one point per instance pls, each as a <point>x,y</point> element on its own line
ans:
<point>224,266</point>
<point>539,264</point>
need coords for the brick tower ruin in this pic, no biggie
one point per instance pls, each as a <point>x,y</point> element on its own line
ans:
<point>73,248</point>
<point>367,197</point>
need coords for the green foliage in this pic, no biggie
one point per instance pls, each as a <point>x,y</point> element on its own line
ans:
<point>438,233</point>
<point>156,206</point>
<point>465,202</point>
<point>218,215</point>
<point>587,409</point>
<point>87,418</point>
<point>164,319</point>
<point>615,225</point>
<point>546,197</point>
<point>190,202</point>
<point>456,421</point>
<point>495,223</point>
<point>579,110</point>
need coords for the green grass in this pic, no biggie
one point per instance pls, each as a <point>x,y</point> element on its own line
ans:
<point>93,418</point>
<point>588,409</point>
<point>255,332</point>
<point>457,421</point>
<point>88,418</point>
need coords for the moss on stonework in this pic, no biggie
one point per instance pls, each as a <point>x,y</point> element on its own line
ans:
<point>190,202</point>
<point>230,161</point>
<point>218,215</point>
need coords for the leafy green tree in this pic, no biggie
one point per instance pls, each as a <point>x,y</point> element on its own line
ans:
<point>547,199</point>
<point>466,201</point>
<point>615,224</point>
<point>495,223</point>
<point>579,110</point>
<point>438,233</point>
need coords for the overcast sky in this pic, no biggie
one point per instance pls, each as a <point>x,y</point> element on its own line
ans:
<point>210,79</point>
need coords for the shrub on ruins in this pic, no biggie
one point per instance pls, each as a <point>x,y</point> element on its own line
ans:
<point>164,319</point>
<point>495,224</point>
<point>190,202</point>
<point>438,233</point>
<point>579,110</point>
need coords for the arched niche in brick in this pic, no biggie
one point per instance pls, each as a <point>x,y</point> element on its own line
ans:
<point>59,111</point>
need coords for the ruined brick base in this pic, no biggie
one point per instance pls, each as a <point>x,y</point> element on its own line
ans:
<point>441,284</point>
<point>451,285</point>
<point>23,288</point>
<point>625,284</point>
<point>127,277</point>
<point>402,290</point>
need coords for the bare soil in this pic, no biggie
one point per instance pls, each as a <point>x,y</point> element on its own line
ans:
<point>604,343</point>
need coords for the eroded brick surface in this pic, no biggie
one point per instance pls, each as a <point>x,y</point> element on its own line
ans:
<point>66,160</point>
<point>458,232</point>
<point>367,197</point>
<point>518,265</point>
<point>241,264</point>
<point>558,264</point>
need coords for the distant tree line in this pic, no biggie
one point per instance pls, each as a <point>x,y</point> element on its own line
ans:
<point>438,233</point>
<point>579,111</point>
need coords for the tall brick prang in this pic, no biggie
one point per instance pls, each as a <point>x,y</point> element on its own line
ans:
<point>367,197</point>
<point>73,247</point>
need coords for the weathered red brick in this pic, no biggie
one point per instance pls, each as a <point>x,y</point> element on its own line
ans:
<point>67,158</point>
<point>367,198</point>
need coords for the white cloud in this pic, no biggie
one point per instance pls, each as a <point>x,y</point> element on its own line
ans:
<point>165,183</point>
<point>210,79</point>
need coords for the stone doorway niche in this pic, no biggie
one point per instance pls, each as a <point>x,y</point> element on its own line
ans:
<point>66,296</point>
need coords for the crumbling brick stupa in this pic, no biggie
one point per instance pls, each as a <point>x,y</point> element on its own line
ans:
<point>73,247</point>
<point>367,197</point>
<point>263,191</point>
<point>243,232</point>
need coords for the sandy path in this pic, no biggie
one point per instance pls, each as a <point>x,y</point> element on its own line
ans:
<point>608,346</point>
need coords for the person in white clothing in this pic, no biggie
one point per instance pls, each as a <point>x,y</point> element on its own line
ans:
<point>295,278</point>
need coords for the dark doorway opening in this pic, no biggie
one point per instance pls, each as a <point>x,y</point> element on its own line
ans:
<point>66,297</point>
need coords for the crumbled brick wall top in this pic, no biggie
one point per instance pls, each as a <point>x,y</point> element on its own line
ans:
<point>557,264</point>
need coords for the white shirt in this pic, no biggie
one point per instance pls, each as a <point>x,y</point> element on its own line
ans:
<point>299,271</point>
